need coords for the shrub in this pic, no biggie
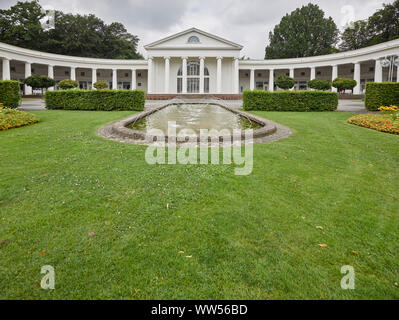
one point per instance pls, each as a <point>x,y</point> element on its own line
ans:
<point>95,100</point>
<point>343,84</point>
<point>39,82</point>
<point>290,100</point>
<point>10,94</point>
<point>319,84</point>
<point>68,84</point>
<point>100,85</point>
<point>10,118</point>
<point>381,94</point>
<point>285,82</point>
<point>380,122</point>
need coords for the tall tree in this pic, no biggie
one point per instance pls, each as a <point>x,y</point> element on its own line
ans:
<point>20,25</point>
<point>75,35</point>
<point>356,36</point>
<point>304,32</point>
<point>382,26</point>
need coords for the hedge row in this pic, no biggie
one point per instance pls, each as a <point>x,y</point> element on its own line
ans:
<point>381,94</point>
<point>10,95</point>
<point>290,100</point>
<point>106,100</point>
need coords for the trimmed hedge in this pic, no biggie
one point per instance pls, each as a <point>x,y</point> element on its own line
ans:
<point>10,94</point>
<point>106,100</point>
<point>380,94</point>
<point>290,100</point>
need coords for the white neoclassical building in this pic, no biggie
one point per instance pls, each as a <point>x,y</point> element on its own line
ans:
<point>196,62</point>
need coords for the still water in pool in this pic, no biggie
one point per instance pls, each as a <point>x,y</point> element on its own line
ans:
<point>194,117</point>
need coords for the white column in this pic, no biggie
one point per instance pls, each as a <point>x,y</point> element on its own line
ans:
<point>292,75</point>
<point>334,76</point>
<point>167,73</point>
<point>93,77</point>
<point>219,75</point>
<point>6,69</point>
<point>114,79</point>
<point>149,80</point>
<point>236,75</point>
<point>50,74</point>
<point>134,81</point>
<point>73,73</point>
<point>28,73</point>
<point>271,80</point>
<point>397,73</point>
<point>356,76</point>
<point>202,75</point>
<point>252,80</point>
<point>312,73</point>
<point>184,79</point>
<point>378,71</point>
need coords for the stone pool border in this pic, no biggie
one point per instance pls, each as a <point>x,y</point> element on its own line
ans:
<point>118,131</point>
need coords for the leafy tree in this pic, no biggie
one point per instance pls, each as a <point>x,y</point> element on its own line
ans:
<point>68,84</point>
<point>285,82</point>
<point>343,84</point>
<point>356,37</point>
<point>75,35</point>
<point>20,25</point>
<point>100,85</point>
<point>39,82</point>
<point>319,84</point>
<point>382,26</point>
<point>304,32</point>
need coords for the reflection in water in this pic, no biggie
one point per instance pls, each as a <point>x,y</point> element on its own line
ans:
<point>194,117</point>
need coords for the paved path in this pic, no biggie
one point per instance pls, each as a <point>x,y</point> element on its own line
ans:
<point>354,106</point>
<point>32,105</point>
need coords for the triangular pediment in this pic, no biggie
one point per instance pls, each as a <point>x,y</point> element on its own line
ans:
<point>182,40</point>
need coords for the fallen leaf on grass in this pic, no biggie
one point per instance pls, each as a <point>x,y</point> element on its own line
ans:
<point>167,206</point>
<point>43,252</point>
<point>189,256</point>
<point>92,234</point>
<point>356,253</point>
<point>319,227</point>
<point>323,245</point>
<point>181,251</point>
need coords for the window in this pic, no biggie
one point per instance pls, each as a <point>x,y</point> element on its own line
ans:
<point>193,78</point>
<point>67,73</point>
<point>139,84</point>
<point>302,73</point>
<point>83,73</point>
<point>319,73</point>
<point>259,75</point>
<point>193,39</point>
<point>12,68</point>
<point>126,75</point>
<point>139,74</point>
<point>98,74</point>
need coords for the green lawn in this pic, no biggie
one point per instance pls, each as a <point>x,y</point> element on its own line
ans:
<point>250,237</point>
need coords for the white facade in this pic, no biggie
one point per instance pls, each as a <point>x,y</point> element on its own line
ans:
<point>194,61</point>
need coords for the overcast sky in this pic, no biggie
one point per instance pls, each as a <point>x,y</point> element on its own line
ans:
<point>246,22</point>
